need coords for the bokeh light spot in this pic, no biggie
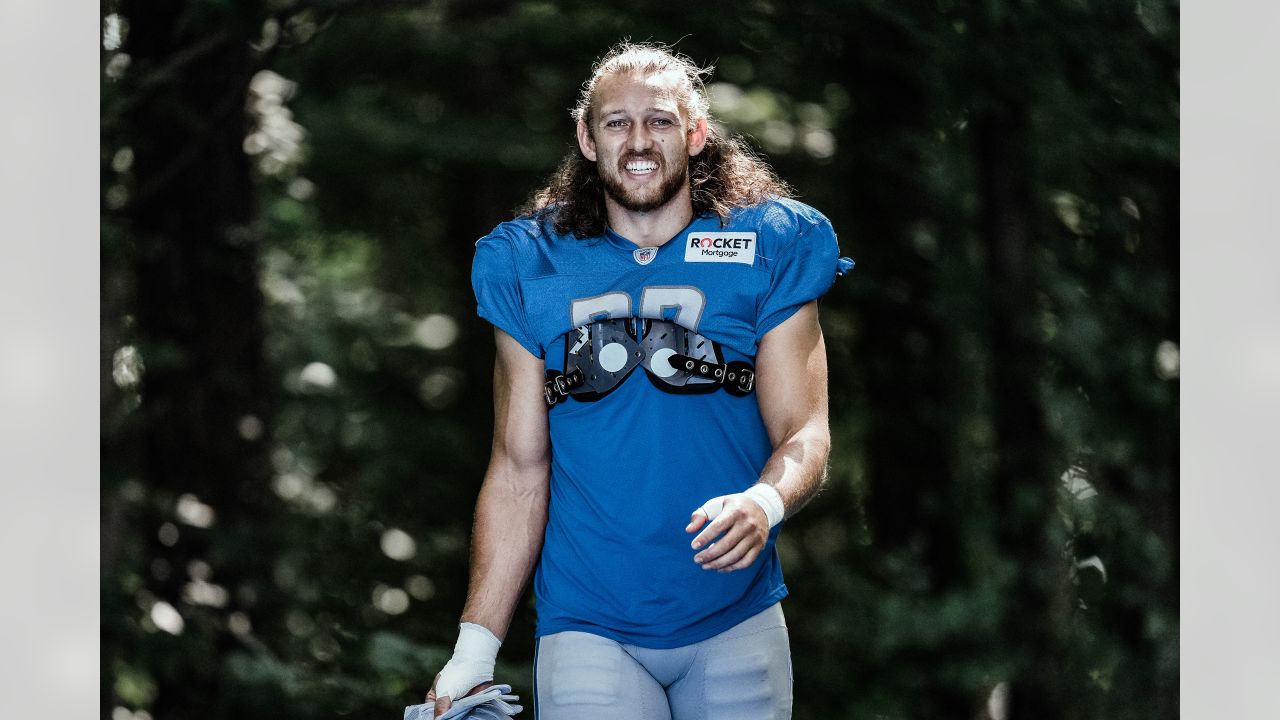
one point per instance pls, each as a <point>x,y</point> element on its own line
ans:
<point>420,587</point>
<point>167,618</point>
<point>250,427</point>
<point>436,332</point>
<point>238,623</point>
<point>392,601</point>
<point>126,367</point>
<point>168,534</point>
<point>398,544</point>
<point>193,512</point>
<point>1167,360</point>
<point>318,376</point>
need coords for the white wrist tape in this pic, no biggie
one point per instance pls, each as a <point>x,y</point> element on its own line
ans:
<point>712,507</point>
<point>769,500</point>
<point>764,495</point>
<point>472,663</point>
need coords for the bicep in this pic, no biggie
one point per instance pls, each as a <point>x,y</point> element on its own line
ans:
<point>791,376</point>
<point>520,432</point>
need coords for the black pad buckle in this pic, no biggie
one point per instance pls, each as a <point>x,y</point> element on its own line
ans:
<point>557,387</point>
<point>740,378</point>
<point>737,377</point>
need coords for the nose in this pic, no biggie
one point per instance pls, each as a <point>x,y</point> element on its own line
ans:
<point>639,138</point>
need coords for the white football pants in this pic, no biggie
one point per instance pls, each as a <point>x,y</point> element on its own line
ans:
<point>744,673</point>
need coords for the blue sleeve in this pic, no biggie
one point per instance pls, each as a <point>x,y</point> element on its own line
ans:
<point>496,283</point>
<point>802,270</point>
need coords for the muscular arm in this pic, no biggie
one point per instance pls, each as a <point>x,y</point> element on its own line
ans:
<point>791,384</point>
<point>511,512</point>
<point>791,388</point>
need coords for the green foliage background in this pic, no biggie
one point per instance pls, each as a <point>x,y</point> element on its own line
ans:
<point>296,402</point>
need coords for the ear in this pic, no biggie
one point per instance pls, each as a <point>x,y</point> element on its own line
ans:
<point>698,137</point>
<point>586,143</point>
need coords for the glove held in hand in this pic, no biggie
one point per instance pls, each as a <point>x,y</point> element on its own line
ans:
<point>494,703</point>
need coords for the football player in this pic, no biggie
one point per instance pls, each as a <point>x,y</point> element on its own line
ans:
<point>661,408</point>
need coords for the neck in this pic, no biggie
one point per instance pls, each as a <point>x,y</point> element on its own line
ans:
<point>652,228</point>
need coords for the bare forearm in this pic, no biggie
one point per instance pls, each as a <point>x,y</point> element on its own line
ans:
<point>798,467</point>
<point>511,516</point>
<point>791,384</point>
<point>737,526</point>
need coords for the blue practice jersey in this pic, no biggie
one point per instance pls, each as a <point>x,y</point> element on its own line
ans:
<point>628,468</point>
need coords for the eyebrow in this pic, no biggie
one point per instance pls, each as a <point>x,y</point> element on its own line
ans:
<point>624,112</point>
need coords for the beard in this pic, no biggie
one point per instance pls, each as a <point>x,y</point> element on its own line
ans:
<point>672,182</point>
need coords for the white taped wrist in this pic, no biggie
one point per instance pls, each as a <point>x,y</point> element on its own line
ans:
<point>472,663</point>
<point>476,641</point>
<point>769,500</point>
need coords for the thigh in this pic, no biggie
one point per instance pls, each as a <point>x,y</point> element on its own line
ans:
<point>580,676</point>
<point>743,673</point>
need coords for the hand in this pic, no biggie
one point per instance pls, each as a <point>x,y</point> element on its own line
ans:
<point>469,671</point>
<point>745,529</point>
<point>444,702</point>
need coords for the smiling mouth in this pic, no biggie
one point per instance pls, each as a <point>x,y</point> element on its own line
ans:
<point>641,167</point>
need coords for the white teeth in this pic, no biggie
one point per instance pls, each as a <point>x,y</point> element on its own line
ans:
<point>642,166</point>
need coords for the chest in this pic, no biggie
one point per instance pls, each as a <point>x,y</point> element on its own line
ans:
<point>717,299</point>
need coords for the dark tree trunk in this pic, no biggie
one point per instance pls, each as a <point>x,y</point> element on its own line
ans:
<point>197,304</point>
<point>911,436</point>
<point>1024,490</point>
<point>909,440</point>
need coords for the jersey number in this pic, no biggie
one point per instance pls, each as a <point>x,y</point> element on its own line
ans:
<point>681,304</point>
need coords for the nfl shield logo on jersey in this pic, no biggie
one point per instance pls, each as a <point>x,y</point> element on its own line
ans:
<point>645,255</point>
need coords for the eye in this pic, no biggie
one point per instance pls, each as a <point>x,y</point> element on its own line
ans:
<point>663,122</point>
<point>615,123</point>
